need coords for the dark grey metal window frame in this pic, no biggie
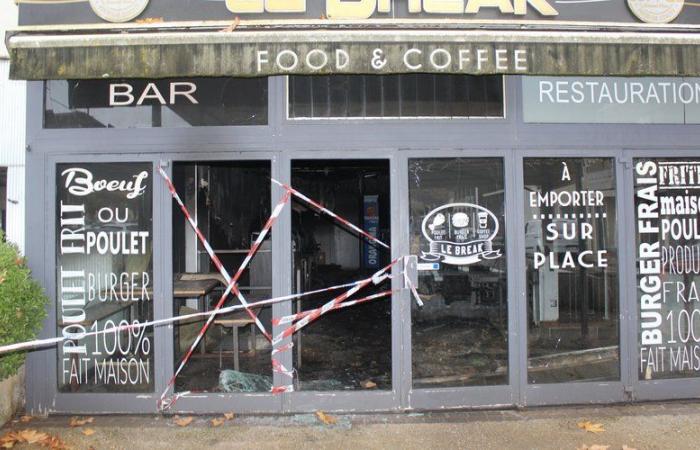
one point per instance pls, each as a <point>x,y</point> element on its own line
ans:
<point>259,402</point>
<point>580,391</point>
<point>283,140</point>
<point>678,388</point>
<point>359,120</point>
<point>310,401</point>
<point>472,396</point>
<point>88,402</point>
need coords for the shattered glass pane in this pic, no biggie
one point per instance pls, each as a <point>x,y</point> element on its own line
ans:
<point>457,224</point>
<point>230,202</point>
<point>572,276</point>
<point>349,348</point>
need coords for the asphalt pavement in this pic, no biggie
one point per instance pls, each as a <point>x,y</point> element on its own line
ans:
<point>674,425</point>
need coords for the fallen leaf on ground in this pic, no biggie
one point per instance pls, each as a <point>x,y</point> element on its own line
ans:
<point>368,384</point>
<point>78,422</point>
<point>184,421</point>
<point>591,427</point>
<point>217,421</point>
<point>32,436</point>
<point>624,447</point>
<point>29,436</point>
<point>26,419</point>
<point>325,418</point>
<point>87,431</point>
<point>9,439</point>
<point>54,443</point>
<point>229,415</point>
<point>233,25</point>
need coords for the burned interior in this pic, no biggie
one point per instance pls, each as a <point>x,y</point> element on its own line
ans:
<point>349,349</point>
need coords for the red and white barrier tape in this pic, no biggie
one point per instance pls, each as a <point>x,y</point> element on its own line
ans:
<point>330,213</point>
<point>39,343</point>
<point>231,286</point>
<point>277,366</point>
<point>314,314</point>
<point>413,289</point>
<point>291,318</point>
<point>318,312</point>
<point>303,318</point>
<point>210,251</point>
<point>231,281</point>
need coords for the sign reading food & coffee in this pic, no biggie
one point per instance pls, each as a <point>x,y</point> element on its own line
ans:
<point>151,39</point>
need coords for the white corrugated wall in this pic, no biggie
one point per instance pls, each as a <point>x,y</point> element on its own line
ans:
<point>12,137</point>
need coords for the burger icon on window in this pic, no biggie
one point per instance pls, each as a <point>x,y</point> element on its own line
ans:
<point>460,220</point>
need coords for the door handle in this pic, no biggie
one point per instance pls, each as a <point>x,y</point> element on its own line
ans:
<point>410,277</point>
<point>410,270</point>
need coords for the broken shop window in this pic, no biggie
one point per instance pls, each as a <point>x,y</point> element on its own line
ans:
<point>230,203</point>
<point>348,349</point>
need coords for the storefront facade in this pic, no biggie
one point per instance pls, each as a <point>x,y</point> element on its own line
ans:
<point>548,205</point>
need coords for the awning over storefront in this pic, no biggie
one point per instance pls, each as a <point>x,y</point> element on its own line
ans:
<point>247,50</point>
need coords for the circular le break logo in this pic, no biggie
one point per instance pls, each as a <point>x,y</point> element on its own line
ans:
<point>460,234</point>
<point>656,11</point>
<point>118,10</point>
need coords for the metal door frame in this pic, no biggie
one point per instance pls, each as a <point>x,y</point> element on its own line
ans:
<point>497,396</point>
<point>359,400</point>
<point>577,391</point>
<point>219,402</point>
<point>83,402</point>
<point>661,389</point>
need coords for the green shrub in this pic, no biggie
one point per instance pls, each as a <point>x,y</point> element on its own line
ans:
<point>22,306</point>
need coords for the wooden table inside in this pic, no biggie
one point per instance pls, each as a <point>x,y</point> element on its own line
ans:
<point>194,288</point>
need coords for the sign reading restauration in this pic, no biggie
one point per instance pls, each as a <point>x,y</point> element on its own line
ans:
<point>611,100</point>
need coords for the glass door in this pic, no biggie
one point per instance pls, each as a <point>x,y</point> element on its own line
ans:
<point>572,276</point>
<point>570,216</point>
<point>347,349</point>
<point>228,200</point>
<point>457,229</point>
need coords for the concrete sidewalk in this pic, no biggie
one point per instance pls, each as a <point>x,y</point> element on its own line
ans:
<point>642,426</point>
